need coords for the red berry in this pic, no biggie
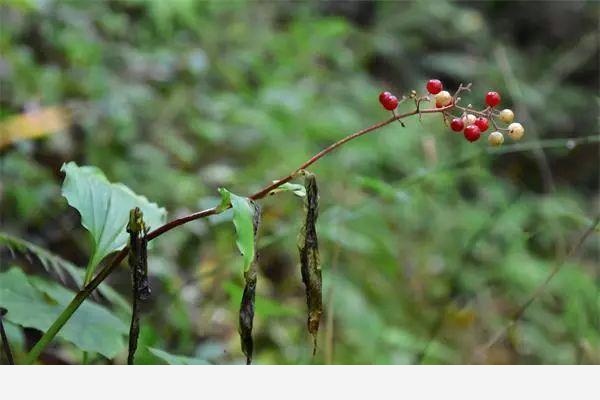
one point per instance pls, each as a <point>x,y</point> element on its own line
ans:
<point>390,102</point>
<point>434,86</point>
<point>492,99</point>
<point>482,123</point>
<point>472,133</point>
<point>457,125</point>
<point>383,96</point>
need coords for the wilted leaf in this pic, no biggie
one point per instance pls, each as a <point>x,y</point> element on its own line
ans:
<point>104,209</point>
<point>310,265</point>
<point>138,264</point>
<point>246,317</point>
<point>33,302</point>
<point>246,218</point>
<point>243,213</point>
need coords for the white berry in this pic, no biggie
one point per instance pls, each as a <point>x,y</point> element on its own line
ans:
<point>443,98</point>
<point>516,131</point>
<point>496,138</point>
<point>469,119</point>
<point>507,116</point>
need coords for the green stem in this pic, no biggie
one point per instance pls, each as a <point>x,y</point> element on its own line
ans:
<point>89,269</point>
<point>72,307</point>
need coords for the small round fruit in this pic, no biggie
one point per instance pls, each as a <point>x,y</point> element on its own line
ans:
<point>492,99</point>
<point>443,98</point>
<point>482,123</point>
<point>472,133</point>
<point>469,119</point>
<point>434,86</point>
<point>457,124</point>
<point>496,138</point>
<point>383,96</point>
<point>390,102</point>
<point>516,131</point>
<point>507,116</point>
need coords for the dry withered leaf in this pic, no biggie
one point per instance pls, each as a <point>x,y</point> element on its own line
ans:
<point>246,317</point>
<point>138,264</point>
<point>310,266</point>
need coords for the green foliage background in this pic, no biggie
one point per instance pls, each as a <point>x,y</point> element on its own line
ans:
<point>177,98</point>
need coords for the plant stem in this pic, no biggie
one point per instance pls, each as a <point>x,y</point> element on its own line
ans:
<point>73,306</point>
<point>89,272</point>
<point>107,270</point>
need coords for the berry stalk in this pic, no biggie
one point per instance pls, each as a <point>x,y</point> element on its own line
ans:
<point>118,258</point>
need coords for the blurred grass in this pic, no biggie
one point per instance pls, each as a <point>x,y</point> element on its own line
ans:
<point>175,99</point>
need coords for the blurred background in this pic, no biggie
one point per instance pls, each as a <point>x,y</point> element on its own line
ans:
<point>428,243</point>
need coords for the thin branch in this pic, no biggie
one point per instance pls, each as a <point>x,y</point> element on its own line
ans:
<point>118,258</point>
<point>263,192</point>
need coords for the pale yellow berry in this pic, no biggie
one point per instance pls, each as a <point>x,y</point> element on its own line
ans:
<point>469,119</point>
<point>516,131</point>
<point>496,138</point>
<point>507,116</point>
<point>443,98</point>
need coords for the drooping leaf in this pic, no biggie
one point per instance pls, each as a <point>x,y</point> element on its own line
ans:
<point>243,214</point>
<point>138,254</point>
<point>58,265</point>
<point>34,302</point>
<point>246,319</point>
<point>104,209</point>
<point>246,218</point>
<point>173,359</point>
<point>310,265</point>
<point>138,264</point>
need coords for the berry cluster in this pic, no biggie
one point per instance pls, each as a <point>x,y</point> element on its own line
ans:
<point>472,123</point>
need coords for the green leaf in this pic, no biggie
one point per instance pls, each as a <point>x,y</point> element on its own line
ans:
<point>225,200</point>
<point>297,189</point>
<point>172,359</point>
<point>54,263</point>
<point>243,214</point>
<point>104,209</point>
<point>33,302</point>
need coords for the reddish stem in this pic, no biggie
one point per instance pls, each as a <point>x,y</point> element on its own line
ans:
<point>107,270</point>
